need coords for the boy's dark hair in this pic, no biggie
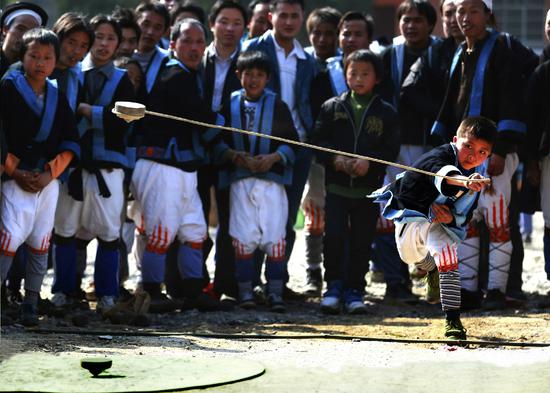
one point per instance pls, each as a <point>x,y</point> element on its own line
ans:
<point>155,7</point>
<point>357,15</point>
<point>423,7</point>
<point>176,30</point>
<point>43,37</point>
<point>101,19</point>
<point>71,22</point>
<point>323,15</point>
<point>478,127</point>
<point>187,6</point>
<point>223,4</point>
<point>254,59</point>
<point>275,3</point>
<point>126,19</point>
<point>254,3</point>
<point>366,56</point>
<point>125,61</point>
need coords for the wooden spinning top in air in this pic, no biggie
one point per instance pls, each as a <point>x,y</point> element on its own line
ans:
<point>129,111</point>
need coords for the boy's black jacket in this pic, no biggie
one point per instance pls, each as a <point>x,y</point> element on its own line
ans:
<point>377,136</point>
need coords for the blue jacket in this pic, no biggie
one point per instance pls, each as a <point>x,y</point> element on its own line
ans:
<point>306,70</point>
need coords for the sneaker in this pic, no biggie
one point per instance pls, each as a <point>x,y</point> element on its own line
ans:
<point>494,300</point>
<point>454,329</point>
<point>290,295</point>
<point>246,299</point>
<point>123,294</point>
<point>29,315</point>
<point>516,298</point>
<point>15,297</point>
<point>60,300</point>
<point>202,302</point>
<point>354,302</point>
<point>469,300</point>
<point>259,294</point>
<point>399,294</point>
<point>314,283</point>
<point>377,276</point>
<point>331,301</point>
<point>163,304</point>
<point>432,287</point>
<point>227,302</point>
<point>105,304</point>
<point>276,303</point>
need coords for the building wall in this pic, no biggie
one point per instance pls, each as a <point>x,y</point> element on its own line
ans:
<point>521,18</point>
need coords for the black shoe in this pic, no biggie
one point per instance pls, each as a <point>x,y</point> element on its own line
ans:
<point>29,315</point>
<point>289,295</point>
<point>515,298</point>
<point>259,294</point>
<point>203,302</point>
<point>6,320</point>
<point>314,283</point>
<point>276,303</point>
<point>227,303</point>
<point>399,294</point>
<point>469,300</point>
<point>207,303</point>
<point>162,304</point>
<point>494,300</point>
<point>15,297</point>
<point>123,294</point>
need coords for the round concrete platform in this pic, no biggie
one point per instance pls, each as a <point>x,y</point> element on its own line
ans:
<point>62,373</point>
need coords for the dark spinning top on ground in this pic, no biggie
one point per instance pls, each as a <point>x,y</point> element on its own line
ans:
<point>96,365</point>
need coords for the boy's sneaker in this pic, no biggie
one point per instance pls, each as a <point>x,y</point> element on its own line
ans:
<point>60,300</point>
<point>433,295</point>
<point>454,329</point>
<point>105,304</point>
<point>377,276</point>
<point>259,294</point>
<point>314,283</point>
<point>331,301</point>
<point>246,297</point>
<point>494,300</point>
<point>354,302</point>
<point>276,303</point>
<point>29,315</point>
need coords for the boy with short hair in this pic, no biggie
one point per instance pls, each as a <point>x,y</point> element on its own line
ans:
<point>293,73</point>
<point>359,122</point>
<point>261,169</point>
<point>431,214</point>
<point>41,139</point>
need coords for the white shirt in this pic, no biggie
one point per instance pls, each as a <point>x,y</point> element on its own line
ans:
<point>221,68</point>
<point>287,77</point>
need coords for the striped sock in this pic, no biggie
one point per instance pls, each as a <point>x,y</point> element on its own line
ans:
<point>450,289</point>
<point>427,264</point>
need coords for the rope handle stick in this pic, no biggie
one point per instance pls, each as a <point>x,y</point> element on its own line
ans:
<point>120,107</point>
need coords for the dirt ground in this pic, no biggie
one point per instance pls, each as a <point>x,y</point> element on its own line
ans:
<point>527,324</point>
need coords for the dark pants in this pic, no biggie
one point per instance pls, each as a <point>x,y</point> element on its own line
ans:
<point>294,193</point>
<point>516,264</point>
<point>359,216</point>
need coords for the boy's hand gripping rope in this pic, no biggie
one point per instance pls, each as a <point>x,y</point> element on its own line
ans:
<point>131,111</point>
